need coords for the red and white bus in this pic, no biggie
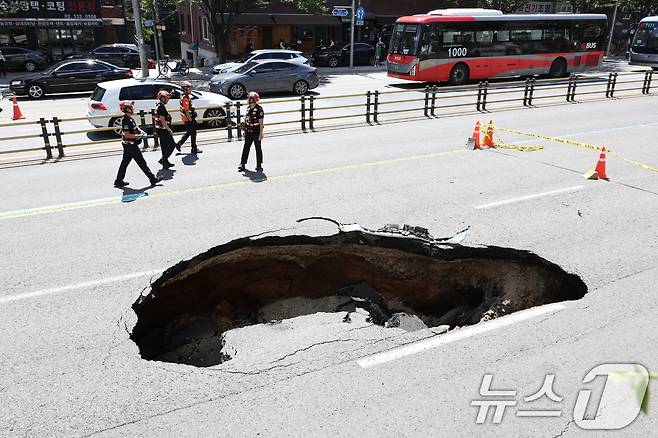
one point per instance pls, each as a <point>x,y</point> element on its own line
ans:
<point>458,45</point>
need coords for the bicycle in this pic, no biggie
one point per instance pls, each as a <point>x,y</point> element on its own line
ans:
<point>180,67</point>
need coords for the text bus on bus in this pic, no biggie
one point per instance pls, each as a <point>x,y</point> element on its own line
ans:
<point>457,45</point>
<point>644,49</point>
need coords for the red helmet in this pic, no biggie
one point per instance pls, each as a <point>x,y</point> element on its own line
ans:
<point>163,93</point>
<point>125,104</point>
<point>253,95</point>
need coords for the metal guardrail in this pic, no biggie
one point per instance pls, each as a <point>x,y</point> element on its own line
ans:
<point>480,96</point>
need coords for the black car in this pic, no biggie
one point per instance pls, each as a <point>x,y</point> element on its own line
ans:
<point>22,58</point>
<point>68,76</point>
<point>339,54</point>
<point>124,55</point>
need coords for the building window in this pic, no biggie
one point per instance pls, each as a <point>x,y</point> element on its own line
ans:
<point>204,29</point>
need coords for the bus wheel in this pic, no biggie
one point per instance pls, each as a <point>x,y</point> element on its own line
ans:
<point>558,68</point>
<point>459,74</point>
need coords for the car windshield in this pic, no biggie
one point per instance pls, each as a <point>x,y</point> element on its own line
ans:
<point>245,58</point>
<point>245,68</point>
<point>647,36</point>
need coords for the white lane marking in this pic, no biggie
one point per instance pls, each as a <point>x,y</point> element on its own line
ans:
<point>457,335</point>
<point>70,287</point>
<point>528,197</point>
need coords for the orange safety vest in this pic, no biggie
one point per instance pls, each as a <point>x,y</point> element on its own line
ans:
<point>186,105</point>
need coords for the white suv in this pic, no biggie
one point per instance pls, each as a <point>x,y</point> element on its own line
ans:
<point>261,55</point>
<point>103,105</point>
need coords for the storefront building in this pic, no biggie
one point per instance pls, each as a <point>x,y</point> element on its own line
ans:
<point>61,28</point>
<point>301,30</point>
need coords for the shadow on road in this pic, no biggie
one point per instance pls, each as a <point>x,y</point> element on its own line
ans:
<point>166,174</point>
<point>257,176</point>
<point>190,159</point>
<point>130,195</point>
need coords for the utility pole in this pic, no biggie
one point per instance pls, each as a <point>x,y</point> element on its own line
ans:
<point>612,29</point>
<point>140,39</point>
<point>352,36</point>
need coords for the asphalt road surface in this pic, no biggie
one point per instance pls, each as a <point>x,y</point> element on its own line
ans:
<point>76,253</point>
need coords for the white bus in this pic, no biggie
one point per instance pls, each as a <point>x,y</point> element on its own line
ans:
<point>644,49</point>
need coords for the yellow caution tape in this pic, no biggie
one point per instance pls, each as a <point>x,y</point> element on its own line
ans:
<point>581,144</point>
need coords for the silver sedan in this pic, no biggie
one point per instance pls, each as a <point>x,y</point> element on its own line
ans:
<point>266,76</point>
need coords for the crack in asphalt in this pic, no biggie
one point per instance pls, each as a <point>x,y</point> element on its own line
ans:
<point>332,341</point>
<point>564,430</point>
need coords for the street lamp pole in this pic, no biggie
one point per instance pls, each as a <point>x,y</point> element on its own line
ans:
<point>140,39</point>
<point>352,36</point>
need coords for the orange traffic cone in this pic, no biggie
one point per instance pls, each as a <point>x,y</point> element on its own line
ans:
<point>599,171</point>
<point>489,136</point>
<point>17,111</point>
<point>473,141</point>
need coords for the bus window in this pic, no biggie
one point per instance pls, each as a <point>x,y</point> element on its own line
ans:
<point>484,36</point>
<point>460,37</point>
<point>502,35</point>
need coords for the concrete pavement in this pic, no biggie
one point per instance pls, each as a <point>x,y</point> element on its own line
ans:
<point>69,368</point>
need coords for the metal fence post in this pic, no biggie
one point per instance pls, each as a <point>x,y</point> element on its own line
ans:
<point>573,88</point>
<point>368,97</point>
<point>613,85</point>
<point>58,137</point>
<point>532,91</point>
<point>649,81</point>
<point>302,109</point>
<point>426,109</point>
<point>526,91</point>
<point>485,92</point>
<point>156,140</point>
<point>433,100</point>
<point>478,105</point>
<point>229,122</point>
<point>237,119</point>
<point>310,112</point>
<point>142,125</point>
<point>608,85</point>
<point>375,112</point>
<point>46,138</point>
<point>569,87</point>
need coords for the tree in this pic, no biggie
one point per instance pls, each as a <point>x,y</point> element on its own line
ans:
<point>221,15</point>
<point>507,6</point>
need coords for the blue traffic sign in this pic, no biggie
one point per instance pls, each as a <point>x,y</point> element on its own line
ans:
<point>339,12</point>
<point>360,13</point>
<point>148,23</point>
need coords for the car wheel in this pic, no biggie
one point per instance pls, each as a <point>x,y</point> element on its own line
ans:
<point>30,66</point>
<point>237,91</point>
<point>558,68</point>
<point>215,112</point>
<point>35,91</point>
<point>459,74</point>
<point>300,88</point>
<point>115,122</point>
<point>333,62</point>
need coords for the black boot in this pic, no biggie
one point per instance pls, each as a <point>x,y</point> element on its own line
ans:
<point>120,184</point>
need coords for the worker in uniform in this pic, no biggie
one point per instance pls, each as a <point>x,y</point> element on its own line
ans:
<point>188,116</point>
<point>131,135</point>
<point>253,132</point>
<point>163,129</point>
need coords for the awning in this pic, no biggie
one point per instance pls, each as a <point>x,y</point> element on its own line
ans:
<point>286,19</point>
<point>49,22</point>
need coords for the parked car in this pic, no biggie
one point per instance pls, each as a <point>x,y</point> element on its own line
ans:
<point>124,55</point>
<point>22,58</point>
<point>266,76</point>
<point>103,104</point>
<point>364,54</point>
<point>261,55</point>
<point>67,76</point>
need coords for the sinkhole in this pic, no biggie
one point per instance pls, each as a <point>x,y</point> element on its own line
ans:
<point>394,278</point>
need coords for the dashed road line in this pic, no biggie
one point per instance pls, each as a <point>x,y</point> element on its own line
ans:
<point>528,197</point>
